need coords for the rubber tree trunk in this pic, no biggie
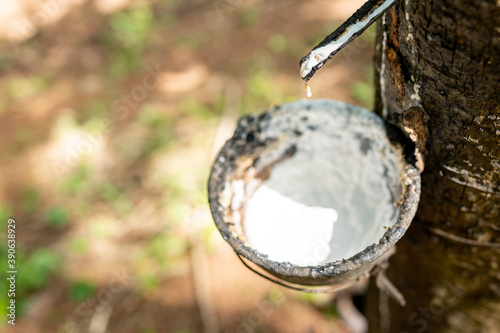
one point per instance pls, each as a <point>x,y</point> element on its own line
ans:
<point>438,80</point>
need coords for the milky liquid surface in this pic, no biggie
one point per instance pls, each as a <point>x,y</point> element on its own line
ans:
<point>328,202</point>
<point>274,224</point>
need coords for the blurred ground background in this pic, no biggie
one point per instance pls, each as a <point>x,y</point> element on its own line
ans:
<point>111,112</point>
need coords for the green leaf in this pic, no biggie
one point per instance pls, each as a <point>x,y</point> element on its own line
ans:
<point>56,217</point>
<point>81,290</point>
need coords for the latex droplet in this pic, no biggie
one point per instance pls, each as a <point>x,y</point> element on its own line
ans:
<point>308,90</point>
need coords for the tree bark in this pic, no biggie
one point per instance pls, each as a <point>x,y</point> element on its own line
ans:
<point>438,80</point>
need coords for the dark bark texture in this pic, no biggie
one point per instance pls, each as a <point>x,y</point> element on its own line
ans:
<point>438,80</point>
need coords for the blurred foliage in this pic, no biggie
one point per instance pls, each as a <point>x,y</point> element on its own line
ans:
<point>277,43</point>
<point>249,17</point>
<point>78,245</point>
<point>148,282</point>
<point>277,297</point>
<point>96,111</point>
<point>308,297</point>
<point>262,94</point>
<point>88,205</point>
<point>202,111</point>
<point>34,271</point>
<point>127,38</point>
<point>153,115</point>
<point>5,214</point>
<point>165,246</point>
<point>131,27</point>
<point>364,91</point>
<point>30,200</point>
<point>76,181</point>
<point>163,254</point>
<point>20,87</point>
<point>331,311</point>
<point>116,198</point>
<point>40,264</point>
<point>56,217</point>
<point>81,290</point>
<point>191,40</point>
